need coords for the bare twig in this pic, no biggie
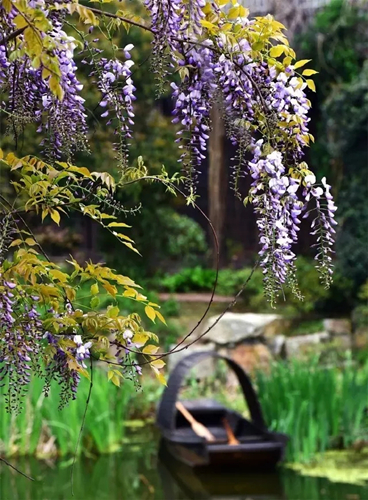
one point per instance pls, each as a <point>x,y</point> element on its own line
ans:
<point>12,35</point>
<point>82,424</point>
<point>14,468</point>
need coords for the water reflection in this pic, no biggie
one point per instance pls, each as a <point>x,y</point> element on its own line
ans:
<point>180,482</point>
<point>139,474</point>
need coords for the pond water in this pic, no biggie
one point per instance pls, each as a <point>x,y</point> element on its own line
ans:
<point>138,474</point>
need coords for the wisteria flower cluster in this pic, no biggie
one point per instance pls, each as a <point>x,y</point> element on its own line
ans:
<point>117,89</point>
<point>19,341</point>
<point>206,53</point>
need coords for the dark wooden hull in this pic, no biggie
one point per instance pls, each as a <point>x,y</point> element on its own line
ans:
<point>246,457</point>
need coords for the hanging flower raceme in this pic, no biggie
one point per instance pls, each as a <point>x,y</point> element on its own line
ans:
<point>20,335</point>
<point>193,100</point>
<point>166,23</point>
<point>4,63</point>
<point>63,120</point>
<point>322,225</point>
<point>234,79</point>
<point>288,99</point>
<point>117,88</point>
<point>273,195</point>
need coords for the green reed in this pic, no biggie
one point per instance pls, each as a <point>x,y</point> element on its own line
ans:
<point>44,430</point>
<point>318,407</point>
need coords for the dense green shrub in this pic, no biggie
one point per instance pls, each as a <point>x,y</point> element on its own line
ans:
<point>191,279</point>
<point>360,313</point>
<point>316,298</point>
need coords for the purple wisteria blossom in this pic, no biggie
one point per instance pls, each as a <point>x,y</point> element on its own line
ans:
<point>166,24</point>
<point>192,109</point>
<point>65,122</point>
<point>117,89</point>
<point>323,227</point>
<point>273,195</point>
<point>20,335</point>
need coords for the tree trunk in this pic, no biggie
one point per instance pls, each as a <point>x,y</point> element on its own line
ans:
<point>217,181</point>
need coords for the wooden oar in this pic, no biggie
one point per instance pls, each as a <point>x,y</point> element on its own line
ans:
<point>197,427</point>
<point>232,441</point>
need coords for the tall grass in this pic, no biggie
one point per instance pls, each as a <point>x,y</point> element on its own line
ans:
<point>42,429</point>
<point>319,408</point>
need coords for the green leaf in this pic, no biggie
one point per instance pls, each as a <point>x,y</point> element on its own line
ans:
<point>112,312</point>
<point>95,302</point>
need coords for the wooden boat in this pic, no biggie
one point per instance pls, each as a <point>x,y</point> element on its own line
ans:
<point>258,448</point>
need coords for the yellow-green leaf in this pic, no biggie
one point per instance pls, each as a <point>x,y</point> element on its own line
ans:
<point>112,312</point>
<point>151,313</point>
<point>111,289</point>
<point>150,349</point>
<point>16,243</point>
<point>55,87</point>
<point>59,275</point>
<point>140,339</point>
<point>206,24</point>
<point>277,50</point>
<point>309,72</point>
<point>118,224</point>
<point>20,21</point>
<point>115,380</point>
<point>234,12</point>
<point>160,377</point>
<point>311,84</point>
<point>70,293</point>
<point>45,211</point>
<point>7,5</point>
<point>55,216</point>
<point>129,245</point>
<point>94,302</point>
<point>30,242</point>
<point>158,363</point>
<point>301,63</point>
<point>160,317</point>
